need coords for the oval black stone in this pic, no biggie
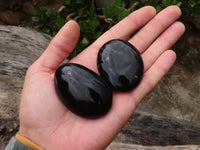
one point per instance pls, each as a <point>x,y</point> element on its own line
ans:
<point>120,64</point>
<point>83,91</point>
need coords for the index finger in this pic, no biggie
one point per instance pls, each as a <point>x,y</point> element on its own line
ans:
<point>123,30</point>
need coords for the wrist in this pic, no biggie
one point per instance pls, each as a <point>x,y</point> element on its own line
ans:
<point>28,142</point>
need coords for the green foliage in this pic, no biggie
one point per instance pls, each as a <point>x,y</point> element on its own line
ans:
<point>89,30</point>
<point>85,13</point>
<point>191,8</point>
<point>46,21</point>
<point>14,5</point>
<point>77,6</point>
<point>193,3</point>
<point>93,22</point>
<point>116,11</point>
<point>161,4</point>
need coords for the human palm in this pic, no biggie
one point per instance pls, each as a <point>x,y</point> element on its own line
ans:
<point>48,123</point>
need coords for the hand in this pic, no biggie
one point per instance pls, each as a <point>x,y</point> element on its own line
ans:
<point>48,123</point>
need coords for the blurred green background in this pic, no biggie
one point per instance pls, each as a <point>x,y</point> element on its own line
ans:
<point>93,16</point>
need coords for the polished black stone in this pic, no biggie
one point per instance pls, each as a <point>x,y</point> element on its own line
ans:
<point>120,64</point>
<point>83,91</point>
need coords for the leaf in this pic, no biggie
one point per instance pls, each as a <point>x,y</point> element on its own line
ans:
<point>37,27</point>
<point>179,4</point>
<point>171,2</point>
<point>68,2</point>
<point>158,8</point>
<point>81,11</point>
<point>116,10</point>
<point>89,25</point>
<point>46,30</point>
<point>78,1</point>
<point>85,41</point>
<point>153,2</point>
<point>97,35</point>
<point>35,19</point>
<point>123,14</point>
<point>193,3</point>
<point>48,13</point>
<point>59,23</point>
<point>195,11</point>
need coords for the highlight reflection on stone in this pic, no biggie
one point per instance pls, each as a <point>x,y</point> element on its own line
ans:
<point>120,64</point>
<point>82,91</point>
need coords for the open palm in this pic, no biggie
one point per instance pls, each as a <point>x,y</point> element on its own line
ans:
<point>48,123</point>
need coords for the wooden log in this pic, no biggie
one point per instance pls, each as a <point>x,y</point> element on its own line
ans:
<point>19,48</point>
<point>123,146</point>
<point>146,127</point>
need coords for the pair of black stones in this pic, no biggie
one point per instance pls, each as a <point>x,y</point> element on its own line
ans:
<point>89,95</point>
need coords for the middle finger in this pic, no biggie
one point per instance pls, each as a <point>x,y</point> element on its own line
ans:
<point>144,38</point>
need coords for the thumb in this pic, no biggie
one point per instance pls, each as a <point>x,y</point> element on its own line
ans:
<point>61,46</point>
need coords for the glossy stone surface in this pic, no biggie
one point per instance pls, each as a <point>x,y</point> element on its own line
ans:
<point>120,64</point>
<point>83,91</point>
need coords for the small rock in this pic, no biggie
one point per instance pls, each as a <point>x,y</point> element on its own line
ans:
<point>10,17</point>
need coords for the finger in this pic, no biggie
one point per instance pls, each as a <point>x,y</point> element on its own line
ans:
<point>125,103</point>
<point>126,27</point>
<point>155,27</point>
<point>61,46</point>
<point>153,75</point>
<point>122,30</point>
<point>164,42</point>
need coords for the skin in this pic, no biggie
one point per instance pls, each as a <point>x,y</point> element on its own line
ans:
<point>48,123</point>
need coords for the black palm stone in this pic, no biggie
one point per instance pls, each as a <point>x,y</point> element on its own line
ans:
<point>83,91</point>
<point>120,64</point>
